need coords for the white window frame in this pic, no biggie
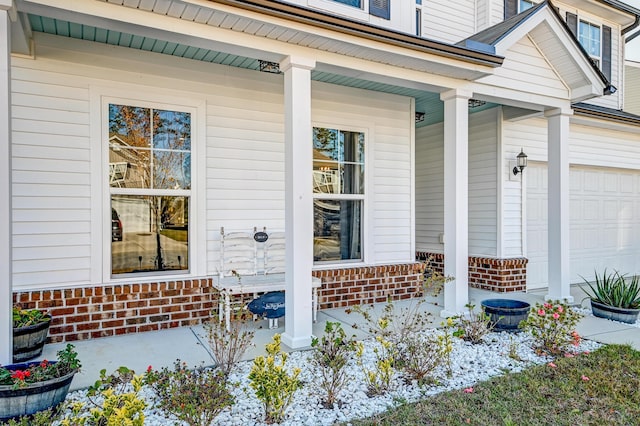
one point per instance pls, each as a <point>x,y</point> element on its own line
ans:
<point>364,219</point>
<point>101,97</point>
<point>589,22</point>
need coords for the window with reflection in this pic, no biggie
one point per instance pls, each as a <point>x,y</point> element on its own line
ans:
<point>589,37</point>
<point>150,189</point>
<point>338,188</point>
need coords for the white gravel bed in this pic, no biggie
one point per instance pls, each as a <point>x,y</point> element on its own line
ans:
<point>469,363</point>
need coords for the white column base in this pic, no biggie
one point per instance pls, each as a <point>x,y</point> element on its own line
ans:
<point>296,342</point>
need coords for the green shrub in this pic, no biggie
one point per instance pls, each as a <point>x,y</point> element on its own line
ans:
<point>331,356</point>
<point>273,385</point>
<point>552,325</point>
<point>195,397</point>
<point>113,402</point>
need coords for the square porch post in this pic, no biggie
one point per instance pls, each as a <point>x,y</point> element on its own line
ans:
<point>558,205</point>
<point>298,201</point>
<point>456,200</point>
<point>6,292</point>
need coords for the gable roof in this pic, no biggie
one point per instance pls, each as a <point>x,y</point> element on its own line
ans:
<point>505,34</point>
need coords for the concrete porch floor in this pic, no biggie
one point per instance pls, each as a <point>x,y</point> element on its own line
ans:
<point>189,344</point>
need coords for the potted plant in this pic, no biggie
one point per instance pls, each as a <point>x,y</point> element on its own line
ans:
<point>30,329</point>
<point>614,296</point>
<point>35,386</point>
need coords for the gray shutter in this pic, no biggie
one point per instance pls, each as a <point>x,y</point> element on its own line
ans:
<point>510,8</point>
<point>380,8</point>
<point>606,52</point>
<point>572,23</point>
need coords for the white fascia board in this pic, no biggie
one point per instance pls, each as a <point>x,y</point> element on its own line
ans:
<point>21,35</point>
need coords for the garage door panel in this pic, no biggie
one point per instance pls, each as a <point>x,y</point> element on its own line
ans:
<point>604,222</point>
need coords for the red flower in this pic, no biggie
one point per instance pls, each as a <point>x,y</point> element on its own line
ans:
<point>44,363</point>
<point>149,368</point>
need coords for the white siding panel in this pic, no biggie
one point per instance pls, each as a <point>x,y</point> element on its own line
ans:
<point>527,70</point>
<point>483,203</point>
<point>429,187</point>
<point>449,21</point>
<point>632,88</point>
<point>51,174</point>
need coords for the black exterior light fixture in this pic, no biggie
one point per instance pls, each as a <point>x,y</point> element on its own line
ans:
<point>521,162</point>
<point>419,117</point>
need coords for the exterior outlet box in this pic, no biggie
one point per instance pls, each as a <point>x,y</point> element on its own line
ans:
<point>441,237</point>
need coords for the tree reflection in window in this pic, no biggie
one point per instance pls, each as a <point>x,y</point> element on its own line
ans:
<point>150,180</point>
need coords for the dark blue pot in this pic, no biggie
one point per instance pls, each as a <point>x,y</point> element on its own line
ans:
<point>506,314</point>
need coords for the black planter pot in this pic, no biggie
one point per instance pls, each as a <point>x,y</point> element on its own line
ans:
<point>34,397</point>
<point>506,314</point>
<point>629,316</point>
<point>29,341</point>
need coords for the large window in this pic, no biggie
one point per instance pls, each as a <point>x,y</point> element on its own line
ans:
<point>150,188</point>
<point>589,37</point>
<point>338,187</point>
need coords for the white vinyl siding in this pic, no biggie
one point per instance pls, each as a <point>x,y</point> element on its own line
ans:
<point>632,88</point>
<point>482,185</point>
<point>51,178</point>
<point>429,187</point>
<point>527,70</point>
<point>483,179</point>
<point>449,21</point>
<point>241,135</point>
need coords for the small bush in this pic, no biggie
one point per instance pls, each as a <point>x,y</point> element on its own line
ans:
<point>274,386</point>
<point>424,353</point>
<point>552,325</point>
<point>474,327</point>
<point>331,356</point>
<point>114,399</point>
<point>195,397</point>
<point>228,346</point>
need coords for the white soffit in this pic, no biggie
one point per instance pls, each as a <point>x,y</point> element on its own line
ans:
<point>296,33</point>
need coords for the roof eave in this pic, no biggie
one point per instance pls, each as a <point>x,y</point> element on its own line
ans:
<point>295,13</point>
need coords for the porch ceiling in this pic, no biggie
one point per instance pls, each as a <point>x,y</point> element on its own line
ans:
<point>425,101</point>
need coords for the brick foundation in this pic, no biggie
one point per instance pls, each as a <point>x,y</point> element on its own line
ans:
<point>116,309</point>
<point>500,275</point>
<point>370,284</point>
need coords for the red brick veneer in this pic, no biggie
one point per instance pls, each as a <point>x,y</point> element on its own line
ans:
<point>115,309</point>
<point>369,284</point>
<point>500,275</point>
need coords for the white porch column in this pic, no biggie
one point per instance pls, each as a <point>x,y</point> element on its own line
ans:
<point>456,200</point>
<point>558,205</point>
<point>298,201</point>
<point>6,296</point>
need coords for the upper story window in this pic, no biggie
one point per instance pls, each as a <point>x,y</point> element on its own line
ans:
<point>150,189</point>
<point>595,39</point>
<point>524,5</point>
<point>589,37</point>
<point>419,18</point>
<point>338,192</point>
<point>354,3</point>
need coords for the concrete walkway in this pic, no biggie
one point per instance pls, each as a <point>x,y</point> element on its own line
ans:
<point>189,344</point>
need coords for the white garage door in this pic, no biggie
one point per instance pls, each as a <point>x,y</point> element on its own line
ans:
<point>604,222</point>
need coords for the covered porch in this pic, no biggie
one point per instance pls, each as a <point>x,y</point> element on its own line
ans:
<point>183,49</point>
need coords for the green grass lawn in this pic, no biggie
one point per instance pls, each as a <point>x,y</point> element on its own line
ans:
<point>601,388</point>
